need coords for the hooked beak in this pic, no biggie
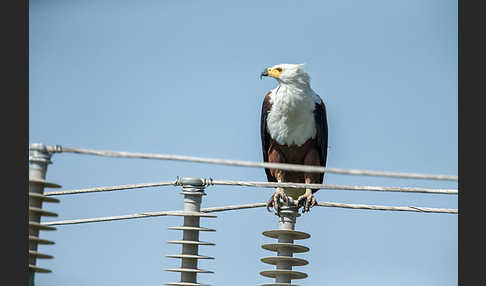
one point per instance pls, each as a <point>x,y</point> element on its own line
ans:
<point>264,73</point>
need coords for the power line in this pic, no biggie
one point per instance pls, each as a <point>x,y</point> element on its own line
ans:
<point>109,189</point>
<point>259,184</point>
<point>287,167</point>
<point>110,218</point>
<point>388,208</point>
<point>335,187</point>
<point>256,205</point>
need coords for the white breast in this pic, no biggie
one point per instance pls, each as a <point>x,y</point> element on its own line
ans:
<point>291,118</point>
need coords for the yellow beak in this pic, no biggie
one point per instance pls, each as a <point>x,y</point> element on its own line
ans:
<point>272,72</point>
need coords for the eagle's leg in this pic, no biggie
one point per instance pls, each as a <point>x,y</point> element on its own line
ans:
<point>276,156</point>
<point>307,200</point>
<point>274,200</point>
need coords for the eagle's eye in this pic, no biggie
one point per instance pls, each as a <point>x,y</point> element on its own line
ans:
<point>279,69</point>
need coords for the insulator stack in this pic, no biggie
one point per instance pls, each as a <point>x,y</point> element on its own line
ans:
<point>285,248</point>
<point>193,190</point>
<point>38,160</point>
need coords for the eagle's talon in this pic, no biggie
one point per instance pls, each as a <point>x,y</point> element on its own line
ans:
<point>307,201</point>
<point>274,200</point>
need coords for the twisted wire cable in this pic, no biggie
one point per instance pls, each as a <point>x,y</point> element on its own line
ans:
<point>260,185</point>
<point>287,167</point>
<point>257,205</point>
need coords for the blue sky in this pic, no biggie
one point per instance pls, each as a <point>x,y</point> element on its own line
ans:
<point>182,77</point>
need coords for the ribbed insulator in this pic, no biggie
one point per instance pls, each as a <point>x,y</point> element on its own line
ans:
<point>193,190</point>
<point>36,200</point>
<point>285,248</point>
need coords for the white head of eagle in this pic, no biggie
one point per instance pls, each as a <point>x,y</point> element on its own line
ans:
<point>290,120</point>
<point>293,74</point>
<point>294,131</point>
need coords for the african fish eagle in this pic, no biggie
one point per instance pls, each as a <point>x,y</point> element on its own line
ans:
<point>293,130</point>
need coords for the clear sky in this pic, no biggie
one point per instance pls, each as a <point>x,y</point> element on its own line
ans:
<point>182,77</point>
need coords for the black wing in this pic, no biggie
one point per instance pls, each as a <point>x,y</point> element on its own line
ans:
<point>265,136</point>
<point>321,134</point>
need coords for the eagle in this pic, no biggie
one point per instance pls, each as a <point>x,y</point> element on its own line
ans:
<point>293,130</point>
